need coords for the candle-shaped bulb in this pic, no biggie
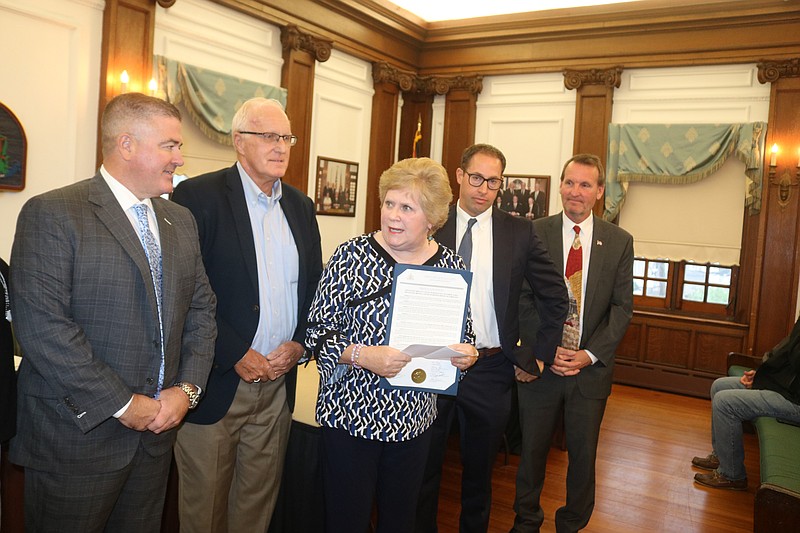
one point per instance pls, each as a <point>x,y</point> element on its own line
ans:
<point>153,86</point>
<point>124,79</point>
<point>773,158</point>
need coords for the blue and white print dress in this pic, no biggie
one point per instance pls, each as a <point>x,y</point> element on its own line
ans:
<point>352,307</point>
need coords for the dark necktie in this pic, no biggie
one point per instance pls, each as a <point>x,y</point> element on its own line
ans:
<point>154,258</point>
<point>573,274</point>
<point>465,248</point>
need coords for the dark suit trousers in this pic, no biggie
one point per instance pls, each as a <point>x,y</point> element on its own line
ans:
<point>126,500</point>
<point>482,406</point>
<point>357,472</point>
<point>540,405</point>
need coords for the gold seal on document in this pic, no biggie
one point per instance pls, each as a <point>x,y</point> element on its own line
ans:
<point>418,376</point>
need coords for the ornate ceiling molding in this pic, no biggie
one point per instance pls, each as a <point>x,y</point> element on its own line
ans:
<point>430,85</point>
<point>574,79</point>
<point>294,39</point>
<point>771,71</point>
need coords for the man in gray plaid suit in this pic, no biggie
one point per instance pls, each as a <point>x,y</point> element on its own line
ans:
<point>115,318</point>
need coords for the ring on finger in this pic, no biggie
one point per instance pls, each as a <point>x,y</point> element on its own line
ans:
<point>256,380</point>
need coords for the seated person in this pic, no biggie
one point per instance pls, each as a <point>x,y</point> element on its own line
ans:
<point>772,390</point>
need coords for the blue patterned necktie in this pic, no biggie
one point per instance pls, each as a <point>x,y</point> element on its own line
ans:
<point>465,248</point>
<point>154,258</point>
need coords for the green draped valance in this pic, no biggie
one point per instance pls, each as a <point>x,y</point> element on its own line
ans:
<point>211,98</point>
<point>679,154</point>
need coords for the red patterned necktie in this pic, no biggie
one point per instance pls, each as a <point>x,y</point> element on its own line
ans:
<point>573,275</point>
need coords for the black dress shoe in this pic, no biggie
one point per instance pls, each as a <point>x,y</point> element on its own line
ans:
<point>710,462</point>
<point>718,481</point>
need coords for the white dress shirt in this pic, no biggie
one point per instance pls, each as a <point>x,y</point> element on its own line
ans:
<point>481,296</point>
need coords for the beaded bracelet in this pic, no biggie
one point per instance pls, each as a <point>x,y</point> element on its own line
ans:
<point>354,356</point>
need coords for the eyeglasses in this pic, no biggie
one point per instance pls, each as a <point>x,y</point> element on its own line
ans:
<point>476,180</point>
<point>273,138</point>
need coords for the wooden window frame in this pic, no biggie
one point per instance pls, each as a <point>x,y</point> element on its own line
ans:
<point>674,302</point>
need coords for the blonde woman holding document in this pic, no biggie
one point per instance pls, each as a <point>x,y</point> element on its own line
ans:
<point>375,440</point>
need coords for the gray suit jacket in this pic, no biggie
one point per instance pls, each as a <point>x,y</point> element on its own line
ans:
<point>609,297</point>
<point>86,317</point>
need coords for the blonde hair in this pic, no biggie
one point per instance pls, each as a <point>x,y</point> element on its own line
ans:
<point>428,179</point>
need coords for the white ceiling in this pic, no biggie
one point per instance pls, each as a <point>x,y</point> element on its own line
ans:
<point>436,10</point>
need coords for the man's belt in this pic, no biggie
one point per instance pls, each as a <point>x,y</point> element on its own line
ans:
<point>488,352</point>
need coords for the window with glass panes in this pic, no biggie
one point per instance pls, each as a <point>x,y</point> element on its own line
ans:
<point>684,285</point>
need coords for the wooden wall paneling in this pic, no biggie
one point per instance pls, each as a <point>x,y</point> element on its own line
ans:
<point>669,345</point>
<point>711,349</point>
<point>382,142</point>
<point>677,354</point>
<point>640,34</point>
<point>416,105</point>
<point>593,107</point>
<point>749,259</point>
<point>774,310</point>
<point>128,27</point>
<point>630,346</point>
<point>459,127</point>
<point>301,51</point>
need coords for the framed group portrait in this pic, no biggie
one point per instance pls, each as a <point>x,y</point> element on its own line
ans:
<point>337,182</point>
<point>525,195</point>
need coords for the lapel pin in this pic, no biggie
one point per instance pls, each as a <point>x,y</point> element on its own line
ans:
<point>599,242</point>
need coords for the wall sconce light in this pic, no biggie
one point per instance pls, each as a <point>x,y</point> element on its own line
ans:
<point>153,86</point>
<point>123,82</point>
<point>785,183</point>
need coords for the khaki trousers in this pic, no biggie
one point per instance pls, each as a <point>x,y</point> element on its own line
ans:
<point>230,472</point>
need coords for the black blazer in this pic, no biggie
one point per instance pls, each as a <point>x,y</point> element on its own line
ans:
<point>8,381</point>
<point>226,241</point>
<point>519,255</point>
<point>781,367</point>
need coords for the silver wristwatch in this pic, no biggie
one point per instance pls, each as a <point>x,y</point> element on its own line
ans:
<point>191,392</point>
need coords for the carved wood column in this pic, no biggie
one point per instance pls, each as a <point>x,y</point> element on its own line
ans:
<point>388,82</point>
<point>775,291</point>
<point>128,29</point>
<point>459,122</point>
<point>301,51</point>
<point>593,108</point>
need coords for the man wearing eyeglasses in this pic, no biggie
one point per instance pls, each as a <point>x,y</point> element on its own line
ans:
<point>501,250</point>
<point>261,248</point>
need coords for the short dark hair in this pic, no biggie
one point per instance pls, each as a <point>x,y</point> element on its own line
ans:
<point>590,160</point>
<point>123,112</point>
<point>487,149</point>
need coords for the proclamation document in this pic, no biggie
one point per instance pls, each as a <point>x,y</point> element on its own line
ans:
<point>428,313</point>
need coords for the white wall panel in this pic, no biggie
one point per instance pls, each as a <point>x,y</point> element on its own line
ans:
<point>201,33</point>
<point>531,118</point>
<point>341,128</point>
<point>51,68</point>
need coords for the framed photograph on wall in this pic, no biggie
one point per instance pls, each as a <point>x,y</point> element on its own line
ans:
<point>525,195</point>
<point>337,181</point>
<point>13,150</point>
